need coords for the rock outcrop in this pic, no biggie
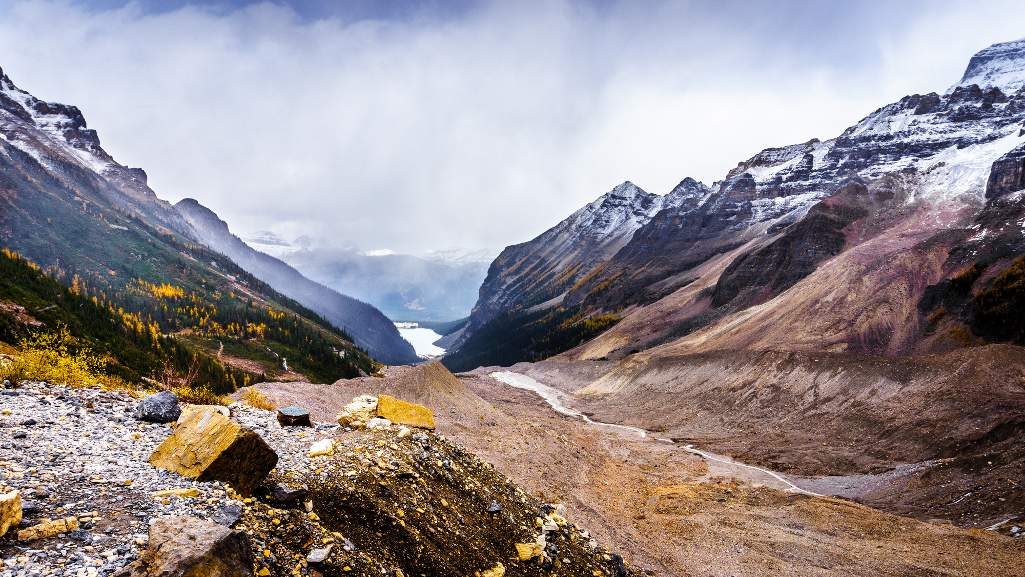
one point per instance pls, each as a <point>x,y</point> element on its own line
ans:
<point>206,446</point>
<point>1007,174</point>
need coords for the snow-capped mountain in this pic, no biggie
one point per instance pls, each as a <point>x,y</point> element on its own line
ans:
<point>537,274</point>
<point>1001,66</point>
<point>779,215</point>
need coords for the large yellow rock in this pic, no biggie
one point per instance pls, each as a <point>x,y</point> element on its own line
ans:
<point>10,511</point>
<point>528,551</point>
<point>208,446</point>
<point>404,413</point>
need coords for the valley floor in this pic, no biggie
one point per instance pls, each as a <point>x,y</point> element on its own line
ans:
<point>667,509</point>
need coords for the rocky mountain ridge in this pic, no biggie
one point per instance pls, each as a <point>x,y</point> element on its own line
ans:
<point>68,205</point>
<point>929,153</point>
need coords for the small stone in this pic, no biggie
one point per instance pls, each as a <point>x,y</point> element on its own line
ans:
<point>496,571</point>
<point>378,423</point>
<point>293,416</point>
<point>183,493</point>
<point>227,515</point>
<point>318,556</point>
<point>285,496</point>
<point>528,551</point>
<point>494,507</point>
<point>322,448</point>
<point>161,407</point>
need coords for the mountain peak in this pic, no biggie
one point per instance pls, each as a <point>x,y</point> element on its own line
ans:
<point>1001,65</point>
<point>627,189</point>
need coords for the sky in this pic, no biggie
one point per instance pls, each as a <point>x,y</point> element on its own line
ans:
<point>429,125</point>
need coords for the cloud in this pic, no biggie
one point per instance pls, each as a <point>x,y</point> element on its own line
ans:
<point>480,127</point>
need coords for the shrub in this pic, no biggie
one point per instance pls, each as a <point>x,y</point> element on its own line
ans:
<point>54,358</point>
<point>257,400</point>
<point>201,396</point>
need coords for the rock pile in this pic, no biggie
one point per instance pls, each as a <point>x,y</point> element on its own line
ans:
<point>377,501</point>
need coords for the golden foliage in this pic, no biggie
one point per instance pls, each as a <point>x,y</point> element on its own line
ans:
<point>201,396</point>
<point>257,400</point>
<point>165,290</point>
<point>49,357</point>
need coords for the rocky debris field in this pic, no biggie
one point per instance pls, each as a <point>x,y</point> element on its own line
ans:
<point>388,500</point>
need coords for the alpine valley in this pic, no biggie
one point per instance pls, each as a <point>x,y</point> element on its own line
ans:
<point>814,366</point>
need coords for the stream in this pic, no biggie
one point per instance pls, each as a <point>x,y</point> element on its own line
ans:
<point>558,401</point>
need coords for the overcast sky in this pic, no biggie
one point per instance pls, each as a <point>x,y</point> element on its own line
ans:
<point>414,126</point>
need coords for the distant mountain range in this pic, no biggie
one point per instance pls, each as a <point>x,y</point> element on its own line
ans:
<point>438,286</point>
<point>66,205</point>
<point>897,236</point>
<point>369,327</point>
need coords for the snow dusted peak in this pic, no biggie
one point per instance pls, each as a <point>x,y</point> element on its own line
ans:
<point>689,192</point>
<point>626,190</point>
<point>1001,65</point>
<point>48,129</point>
<point>620,211</point>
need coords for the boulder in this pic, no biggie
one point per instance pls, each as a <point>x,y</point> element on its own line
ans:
<point>359,410</point>
<point>285,496</point>
<point>293,416</point>
<point>10,511</point>
<point>161,407</point>
<point>47,528</point>
<point>404,413</point>
<point>191,547</point>
<point>207,446</point>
